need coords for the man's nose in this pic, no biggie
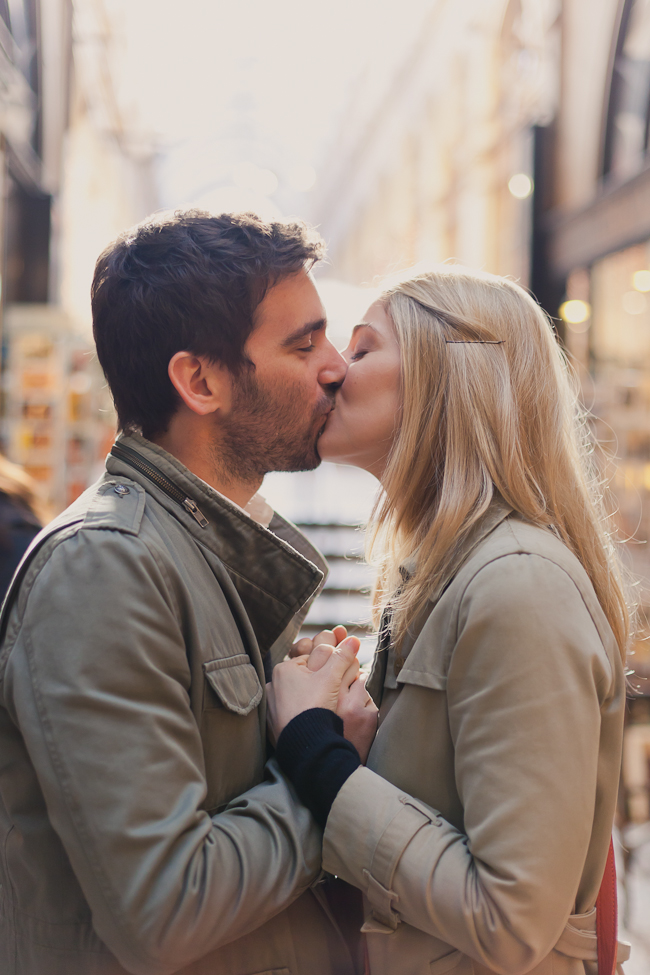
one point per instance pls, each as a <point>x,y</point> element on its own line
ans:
<point>334,368</point>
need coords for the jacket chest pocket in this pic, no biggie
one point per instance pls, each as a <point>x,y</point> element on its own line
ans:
<point>455,963</point>
<point>234,742</point>
<point>231,683</point>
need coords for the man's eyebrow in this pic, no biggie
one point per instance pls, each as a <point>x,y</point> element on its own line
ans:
<point>303,332</point>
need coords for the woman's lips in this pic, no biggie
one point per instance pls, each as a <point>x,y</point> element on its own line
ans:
<point>326,420</point>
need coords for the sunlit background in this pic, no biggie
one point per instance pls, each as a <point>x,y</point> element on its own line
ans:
<point>510,135</point>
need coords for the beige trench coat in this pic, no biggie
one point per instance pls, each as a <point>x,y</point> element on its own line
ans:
<point>483,818</point>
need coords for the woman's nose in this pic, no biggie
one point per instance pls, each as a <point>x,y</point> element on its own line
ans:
<point>334,367</point>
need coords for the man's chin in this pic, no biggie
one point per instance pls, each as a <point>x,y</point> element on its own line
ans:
<point>298,466</point>
<point>324,446</point>
<point>305,457</point>
<point>307,460</point>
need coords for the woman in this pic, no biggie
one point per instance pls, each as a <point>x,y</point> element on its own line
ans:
<point>21,518</point>
<point>482,821</point>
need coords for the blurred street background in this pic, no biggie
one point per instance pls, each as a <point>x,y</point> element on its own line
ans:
<point>509,135</point>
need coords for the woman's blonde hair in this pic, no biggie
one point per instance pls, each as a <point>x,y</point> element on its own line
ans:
<point>489,405</point>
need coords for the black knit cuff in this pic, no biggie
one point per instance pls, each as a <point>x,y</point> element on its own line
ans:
<point>317,759</point>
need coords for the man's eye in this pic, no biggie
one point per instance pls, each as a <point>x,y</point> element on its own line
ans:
<point>307,348</point>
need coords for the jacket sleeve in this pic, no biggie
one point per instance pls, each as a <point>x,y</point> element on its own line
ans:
<point>527,679</point>
<point>98,682</point>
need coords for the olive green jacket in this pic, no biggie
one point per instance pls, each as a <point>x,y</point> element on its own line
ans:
<point>482,821</point>
<point>141,829</point>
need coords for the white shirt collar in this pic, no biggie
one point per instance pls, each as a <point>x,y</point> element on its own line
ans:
<point>258,509</point>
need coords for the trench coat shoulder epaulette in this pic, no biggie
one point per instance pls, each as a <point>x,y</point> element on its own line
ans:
<point>118,504</point>
<point>115,504</point>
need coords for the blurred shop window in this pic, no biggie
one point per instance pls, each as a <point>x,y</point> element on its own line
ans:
<point>628,117</point>
<point>22,514</point>
<point>636,761</point>
<point>57,421</point>
<point>617,390</point>
<point>28,238</point>
<point>619,342</point>
<point>21,18</point>
<point>26,216</point>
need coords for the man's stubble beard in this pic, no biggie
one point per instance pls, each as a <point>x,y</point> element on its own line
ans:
<point>267,431</point>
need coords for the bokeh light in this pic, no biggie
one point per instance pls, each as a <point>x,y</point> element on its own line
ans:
<point>520,186</point>
<point>575,313</point>
<point>641,280</point>
<point>634,303</point>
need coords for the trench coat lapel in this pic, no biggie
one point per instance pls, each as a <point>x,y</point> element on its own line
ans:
<point>496,513</point>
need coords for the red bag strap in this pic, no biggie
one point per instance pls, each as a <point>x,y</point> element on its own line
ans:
<point>607,917</point>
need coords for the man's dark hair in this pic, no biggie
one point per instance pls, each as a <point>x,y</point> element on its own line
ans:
<point>180,281</point>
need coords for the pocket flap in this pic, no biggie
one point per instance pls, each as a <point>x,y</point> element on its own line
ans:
<point>427,662</point>
<point>234,680</point>
<point>446,963</point>
<point>426,677</point>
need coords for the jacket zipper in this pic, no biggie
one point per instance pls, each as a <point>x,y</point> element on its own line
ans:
<point>132,457</point>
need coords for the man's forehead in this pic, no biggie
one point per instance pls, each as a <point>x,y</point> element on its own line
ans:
<point>290,305</point>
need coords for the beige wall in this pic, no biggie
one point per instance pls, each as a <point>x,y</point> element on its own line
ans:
<point>103,193</point>
<point>466,98</point>
<point>107,177</point>
<point>587,31</point>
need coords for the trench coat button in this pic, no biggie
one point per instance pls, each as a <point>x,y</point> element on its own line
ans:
<point>121,490</point>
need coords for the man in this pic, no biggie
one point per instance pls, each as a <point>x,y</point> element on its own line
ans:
<point>141,830</point>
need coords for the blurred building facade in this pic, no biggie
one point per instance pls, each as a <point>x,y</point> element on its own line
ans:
<point>73,175</point>
<point>516,138</point>
<point>423,173</point>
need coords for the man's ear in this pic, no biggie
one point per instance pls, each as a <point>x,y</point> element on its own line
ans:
<point>204,386</point>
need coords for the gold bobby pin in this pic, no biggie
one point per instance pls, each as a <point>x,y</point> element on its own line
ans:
<point>455,322</point>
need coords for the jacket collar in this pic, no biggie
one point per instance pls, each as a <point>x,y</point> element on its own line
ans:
<point>379,677</point>
<point>497,512</point>
<point>275,570</point>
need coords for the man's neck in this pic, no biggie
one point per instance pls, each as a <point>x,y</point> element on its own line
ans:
<point>198,456</point>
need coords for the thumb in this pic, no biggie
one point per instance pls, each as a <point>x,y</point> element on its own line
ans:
<point>343,656</point>
<point>319,656</point>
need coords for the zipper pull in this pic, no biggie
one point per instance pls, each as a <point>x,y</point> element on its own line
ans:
<point>190,506</point>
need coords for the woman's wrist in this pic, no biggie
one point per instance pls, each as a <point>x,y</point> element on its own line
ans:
<point>317,759</point>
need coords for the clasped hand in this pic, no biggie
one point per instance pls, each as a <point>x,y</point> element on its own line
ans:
<point>324,673</point>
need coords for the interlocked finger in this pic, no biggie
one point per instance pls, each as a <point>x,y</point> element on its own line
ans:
<point>302,647</point>
<point>319,656</point>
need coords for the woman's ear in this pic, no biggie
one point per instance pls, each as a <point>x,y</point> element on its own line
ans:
<point>204,386</point>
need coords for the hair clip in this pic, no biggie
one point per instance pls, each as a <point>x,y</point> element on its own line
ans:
<point>475,341</point>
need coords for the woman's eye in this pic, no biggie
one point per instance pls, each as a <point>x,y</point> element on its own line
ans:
<point>358,355</point>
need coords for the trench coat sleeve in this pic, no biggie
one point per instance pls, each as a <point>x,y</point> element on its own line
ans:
<point>527,678</point>
<point>98,683</point>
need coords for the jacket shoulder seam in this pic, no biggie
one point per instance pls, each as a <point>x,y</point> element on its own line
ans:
<point>551,561</point>
<point>18,602</point>
<point>517,554</point>
<point>41,559</point>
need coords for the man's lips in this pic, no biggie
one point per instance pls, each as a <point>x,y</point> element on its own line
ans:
<point>327,408</point>
<point>323,419</point>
